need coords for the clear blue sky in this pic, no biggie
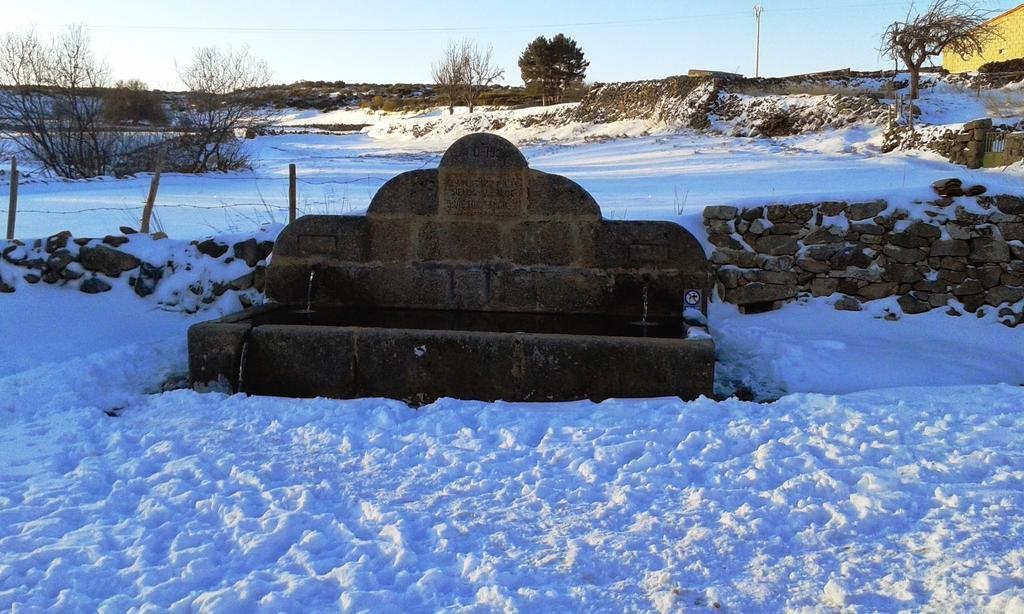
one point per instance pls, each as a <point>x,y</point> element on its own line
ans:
<point>395,41</point>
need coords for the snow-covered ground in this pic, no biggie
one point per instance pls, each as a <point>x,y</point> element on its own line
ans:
<point>888,476</point>
<point>903,499</point>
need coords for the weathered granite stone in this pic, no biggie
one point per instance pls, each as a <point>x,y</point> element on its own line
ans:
<point>874,291</point>
<point>729,276</point>
<point>824,235</point>
<point>910,304</point>
<point>1003,294</point>
<point>901,273</point>
<point>757,292</point>
<point>110,262</point>
<point>252,251</point>
<point>850,256</point>
<point>718,226</point>
<point>752,214</point>
<point>969,218</point>
<point>115,240</point>
<point>802,213</point>
<point>212,248</point>
<point>831,208</point>
<point>968,287</point>
<point>823,286</point>
<point>923,230</point>
<point>777,245</point>
<point>740,258</point>
<point>144,282</point>
<point>949,247</point>
<point>847,303</point>
<point>904,255</point>
<point>813,266</point>
<point>777,213</point>
<point>823,251</point>
<point>1012,231</point>
<point>720,212</point>
<point>988,274</point>
<point>786,228</point>
<point>931,285</point>
<point>57,241</point>
<point>905,239</point>
<point>862,211</point>
<point>94,285</point>
<point>724,241</point>
<point>1011,205</point>
<point>857,273</point>
<point>989,250</point>
<point>775,263</point>
<point>59,260</point>
<point>771,277</point>
<point>952,277</point>
<point>867,228</point>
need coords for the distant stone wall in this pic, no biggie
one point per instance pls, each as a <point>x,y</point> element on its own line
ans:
<point>966,254</point>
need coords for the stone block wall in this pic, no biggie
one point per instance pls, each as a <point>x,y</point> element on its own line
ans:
<point>963,255</point>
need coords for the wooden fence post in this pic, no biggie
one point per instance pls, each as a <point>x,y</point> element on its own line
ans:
<point>154,185</point>
<point>12,208</point>
<point>291,193</point>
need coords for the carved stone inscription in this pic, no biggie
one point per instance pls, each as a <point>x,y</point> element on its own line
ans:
<point>483,192</point>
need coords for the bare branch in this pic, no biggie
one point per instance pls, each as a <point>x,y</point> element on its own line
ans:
<point>948,25</point>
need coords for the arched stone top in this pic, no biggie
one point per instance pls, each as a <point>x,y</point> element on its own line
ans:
<point>484,231</point>
<point>483,150</point>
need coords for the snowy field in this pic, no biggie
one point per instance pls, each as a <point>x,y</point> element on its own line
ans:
<point>666,177</point>
<point>888,475</point>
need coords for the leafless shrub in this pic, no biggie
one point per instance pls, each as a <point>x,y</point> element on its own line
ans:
<point>51,106</point>
<point>451,73</point>
<point>223,104</point>
<point>481,72</point>
<point>133,102</point>
<point>1003,103</point>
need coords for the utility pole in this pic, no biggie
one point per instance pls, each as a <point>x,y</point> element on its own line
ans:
<point>758,9</point>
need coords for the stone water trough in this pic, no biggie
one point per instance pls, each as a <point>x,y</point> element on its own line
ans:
<point>480,279</point>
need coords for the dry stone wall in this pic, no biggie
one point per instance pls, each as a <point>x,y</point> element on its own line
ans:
<point>963,255</point>
<point>179,275</point>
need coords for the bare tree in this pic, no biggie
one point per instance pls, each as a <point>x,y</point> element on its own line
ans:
<point>223,102</point>
<point>950,25</point>
<point>451,73</point>
<point>481,72</point>
<point>52,107</point>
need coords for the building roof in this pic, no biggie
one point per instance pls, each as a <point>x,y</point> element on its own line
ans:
<point>1002,16</point>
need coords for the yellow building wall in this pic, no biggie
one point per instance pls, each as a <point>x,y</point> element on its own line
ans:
<point>1010,47</point>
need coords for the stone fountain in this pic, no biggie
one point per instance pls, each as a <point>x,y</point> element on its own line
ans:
<point>480,279</point>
